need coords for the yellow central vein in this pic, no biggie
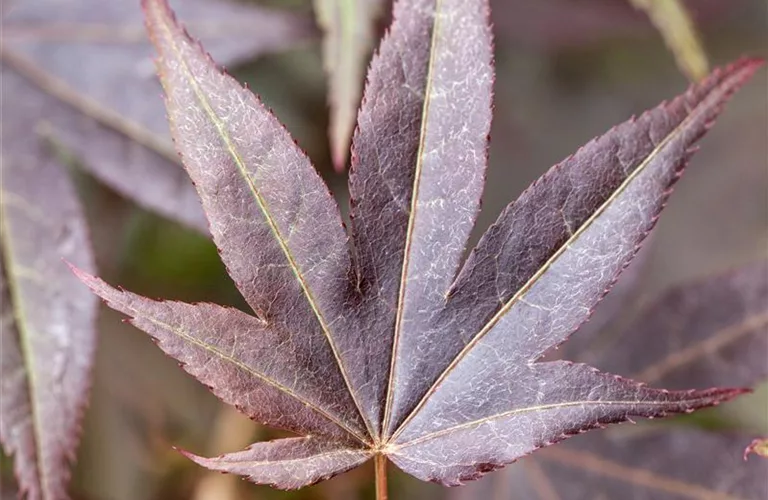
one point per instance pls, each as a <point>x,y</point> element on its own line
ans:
<point>637,476</point>
<point>519,411</point>
<point>236,362</point>
<point>555,256</point>
<point>257,463</point>
<point>267,216</point>
<point>411,217</point>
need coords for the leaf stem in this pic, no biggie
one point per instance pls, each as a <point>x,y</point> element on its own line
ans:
<point>380,465</point>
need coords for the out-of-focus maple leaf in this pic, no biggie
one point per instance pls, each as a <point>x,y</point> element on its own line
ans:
<point>609,311</point>
<point>662,462</point>
<point>349,35</point>
<point>674,22</point>
<point>47,333</point>
<point>712,331</point>
<point>698,335</point>
<point>395,350</point>
<point>93,63</point>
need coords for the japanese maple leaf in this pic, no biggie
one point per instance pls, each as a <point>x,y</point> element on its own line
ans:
<point>380,343</point>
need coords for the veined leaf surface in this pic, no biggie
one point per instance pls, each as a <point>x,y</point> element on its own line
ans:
<point>702,328</point>
<point>701,334</point>
<point>288,463</point>
<point>390,348</point>
<point>551,255</point>
<point>418,166</point>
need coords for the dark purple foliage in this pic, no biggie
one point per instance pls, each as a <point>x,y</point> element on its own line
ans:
<point>380,342</point>
<point>711,331</point>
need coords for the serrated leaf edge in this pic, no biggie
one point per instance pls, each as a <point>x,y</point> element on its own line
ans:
<point>412,216</point>
<point>93,282</point>
<point>738,75</point>
<point>723,394</point>
<point>164,15</point>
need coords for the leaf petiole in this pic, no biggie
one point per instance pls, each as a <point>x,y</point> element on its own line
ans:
<point>380,466</point>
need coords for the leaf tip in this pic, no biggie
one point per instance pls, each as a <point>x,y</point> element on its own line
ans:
<point>82,275</point>
<point>201,461</point>
<point>735,74</point>
<point>758,446</point>
<point>747,65</point>
<point>159,20</point>
<point>98,286</point>
<point>156,7</point>
<point>339,156</point>
<point>721,395</point>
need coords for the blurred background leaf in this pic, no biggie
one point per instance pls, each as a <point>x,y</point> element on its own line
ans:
<point>673,21</point>
<point>48,324</point>
<point>93,61</point>
<point>567,71</point>
<point>349,36</point>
